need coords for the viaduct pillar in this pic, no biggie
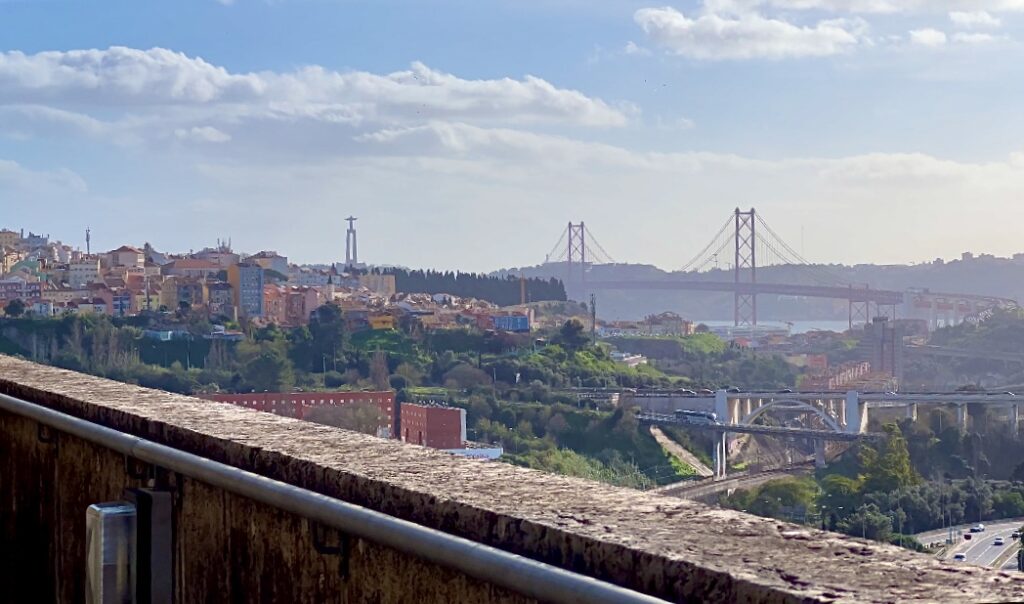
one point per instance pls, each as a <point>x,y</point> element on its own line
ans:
<point>912,411</point>
<point>722,407</point>
<point>819,453</point>
<point>721,456</point>
<point>856,414</point>
<point>961,416</point>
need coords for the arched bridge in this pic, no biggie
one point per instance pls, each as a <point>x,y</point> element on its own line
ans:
<point>844,414</point>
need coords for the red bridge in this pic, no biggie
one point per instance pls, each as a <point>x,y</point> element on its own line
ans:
<point>749,241</point>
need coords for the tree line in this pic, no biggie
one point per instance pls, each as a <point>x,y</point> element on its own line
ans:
<point>503,291</point>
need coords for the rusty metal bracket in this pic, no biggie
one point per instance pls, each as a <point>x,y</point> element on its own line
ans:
<point>138,469</point>
<point>342,549</point>
<point>45,434</point>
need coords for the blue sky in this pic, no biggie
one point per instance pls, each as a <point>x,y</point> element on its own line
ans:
<point>466,134</point>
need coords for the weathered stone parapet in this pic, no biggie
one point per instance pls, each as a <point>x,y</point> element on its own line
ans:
<point>670,548</point>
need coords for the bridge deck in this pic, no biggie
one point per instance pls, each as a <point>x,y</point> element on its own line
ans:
<point>853,294</point>
<point>671,420</point>
<point>879,296</point>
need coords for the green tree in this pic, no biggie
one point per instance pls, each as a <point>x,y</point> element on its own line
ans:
<point>465,375</point>
<point>322,344</point>
<point>1018,473</point>
<point>888,468</point>
<point>838,493</point>
<point>379,370</point>
<point>772,497</point>
<point>270,371</point>
<point>15,308</point>
<point>572,335</point>
<point>868,522</point>
<point>1008,505</point>
<point>412,375</point>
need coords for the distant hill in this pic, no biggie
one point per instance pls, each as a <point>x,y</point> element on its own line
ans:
<point>985,275</point>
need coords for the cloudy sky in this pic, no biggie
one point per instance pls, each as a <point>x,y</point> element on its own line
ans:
<point>466,134</point>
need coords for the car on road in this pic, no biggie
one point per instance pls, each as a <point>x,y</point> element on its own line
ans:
<point>1015,535</point>
<point>978,528</point>
<point>705,391</point>
<point>961,557</point>
<point>999,541</point>
<point>967,536</point>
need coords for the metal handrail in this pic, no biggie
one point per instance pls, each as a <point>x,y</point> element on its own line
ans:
<point>516,573</point>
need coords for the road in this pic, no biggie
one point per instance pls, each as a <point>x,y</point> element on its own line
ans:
<point>981,549</point>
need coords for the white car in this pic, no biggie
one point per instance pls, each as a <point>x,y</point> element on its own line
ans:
<point>999,541</point>
<point>960,557</point>
<point>978,528</point>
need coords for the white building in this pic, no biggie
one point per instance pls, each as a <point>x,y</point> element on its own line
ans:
<point>83,272</point>
<point>306,276</point>
<point>126,255</point>
<point>270,260</point>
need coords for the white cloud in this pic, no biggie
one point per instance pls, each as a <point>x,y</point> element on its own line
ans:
<point>632,48</point>
<point>974,20</point>
<point>202,134</point>
<point>16,179</point>
<point>895,6</point>
<point>927,37</point>
<point>679,123</point>
<point>30,121</point>
<point>747,36</point>
<point>973,38</point>
<point>155,79</point>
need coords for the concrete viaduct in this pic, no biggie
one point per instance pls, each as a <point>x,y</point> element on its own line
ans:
<point>841,416</point>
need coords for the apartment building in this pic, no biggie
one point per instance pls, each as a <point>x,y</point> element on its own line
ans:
<point>247,283</point>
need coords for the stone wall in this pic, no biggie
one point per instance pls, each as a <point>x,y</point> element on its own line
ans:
<point>231,549</point>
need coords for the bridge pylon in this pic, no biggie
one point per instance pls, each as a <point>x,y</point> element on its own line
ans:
<point>745,269</point>
<point>576,252</point>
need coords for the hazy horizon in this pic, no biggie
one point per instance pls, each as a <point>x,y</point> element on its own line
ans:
<point>466,136</point>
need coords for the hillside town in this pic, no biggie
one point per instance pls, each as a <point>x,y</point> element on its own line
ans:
<point>47,278</point>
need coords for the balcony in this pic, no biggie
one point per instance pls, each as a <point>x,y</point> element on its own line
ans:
<point>236,537</point>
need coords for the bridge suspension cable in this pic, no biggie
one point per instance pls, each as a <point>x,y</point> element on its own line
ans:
<point>770,248</point>
<point>702,258</point>
<point>559,249</point>
<point>577,245</point>
<point>790,256</point>
<point>601,256</point>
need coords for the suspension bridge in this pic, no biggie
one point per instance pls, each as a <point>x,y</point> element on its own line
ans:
<point>748,243</point>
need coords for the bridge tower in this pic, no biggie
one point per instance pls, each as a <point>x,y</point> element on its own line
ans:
<point>860,310</point>
<point>576,252</point>
<point>745,269</point>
